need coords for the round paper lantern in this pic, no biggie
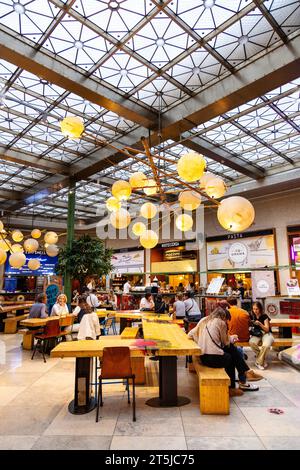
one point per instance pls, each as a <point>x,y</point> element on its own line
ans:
<point>215,187</point>
<point>3,234</point>
<point>204,179</point>
<point>17,260</point>
<point>121,190</point>
<point>72,127</point>
<point>31,245</point>
<point>113,204</point>
<point>52,250</point>
<point>16,248</point>
<point>148,210</point>
<point>137,180</point>
<point>191,166</point>
<point>34,264</point>
<point>235,213</point>
<point>151,187</point>
<point>5,245</point>
<point>51,238</point>
<point>184,222</point>
<point>3,256</point>
<point>138,228</point>
<point>36,233</point>
<point>17,236</point>
<point>189,200</point>
<point>1,226</point>
<point>149,239</point>
<point>120,218</point>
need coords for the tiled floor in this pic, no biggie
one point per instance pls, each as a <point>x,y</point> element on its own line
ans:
<point>34,397</point>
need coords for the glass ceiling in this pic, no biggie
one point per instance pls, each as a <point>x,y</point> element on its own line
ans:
<point>153,54</point>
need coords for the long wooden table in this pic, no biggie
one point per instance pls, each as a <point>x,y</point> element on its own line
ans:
<point>12,309</point>
<point>285,326</point>
<point>170,342</point>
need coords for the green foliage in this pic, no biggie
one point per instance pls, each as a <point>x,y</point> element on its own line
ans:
<point>87,257</point>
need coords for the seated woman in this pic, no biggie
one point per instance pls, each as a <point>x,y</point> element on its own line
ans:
<point>218,351</point>
<point>147,302</point>
<point>38,309</point>
<point>60,308</point>
<point>261,338</point>
<point>89,327</point>
<point>79,311</point>
<point>159,305</point>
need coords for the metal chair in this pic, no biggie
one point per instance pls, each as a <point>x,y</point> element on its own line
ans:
<point>116,364</point>
<point>51,331</point>
<point>110,322</point>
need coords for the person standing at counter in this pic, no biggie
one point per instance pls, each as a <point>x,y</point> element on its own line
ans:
<point>179,307</point>
<point>38,309</point>
<point>147,302</point>
<point>92,299</point>
<point>241,289</point>
<point>127,287</point>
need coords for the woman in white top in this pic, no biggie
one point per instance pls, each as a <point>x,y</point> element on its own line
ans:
<point>89,327</point>
<point>178,307</point>
<point>147,303</point>
<point>60,308</point>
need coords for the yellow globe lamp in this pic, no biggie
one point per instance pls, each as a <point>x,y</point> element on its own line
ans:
<point>52,250</point>
<point>120,218</point>
<point>189,200</point>
<point>5,245</point>
<point>3,234</point>
<point>148,210</point>
<point>235,213</point>
<point>51,238</point>
<point>36,233</point>
<point>1,226</point>
<point>17,260</point>
<point>31,245</point>
<point>121,190</point>
<point>138,228</point>
<point>215,187</point>
<point>150,187</point>
<point>113,204</point>
<point>149,239</point>
<point>184,222</point>
<point>3,256</point>
<point>191,166</point>
<point>138,179</point>
<point>17,236</point>
<point>72,127</point>
<point>34,264</point>
<point>204,179</point>
<point>16,248</point>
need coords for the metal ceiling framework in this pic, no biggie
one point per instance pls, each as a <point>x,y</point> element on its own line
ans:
<point>226,78</point>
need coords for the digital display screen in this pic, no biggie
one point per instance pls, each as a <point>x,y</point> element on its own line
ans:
<point>47,267</point>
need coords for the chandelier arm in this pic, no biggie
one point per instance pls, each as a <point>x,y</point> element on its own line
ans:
<point>154,169</point>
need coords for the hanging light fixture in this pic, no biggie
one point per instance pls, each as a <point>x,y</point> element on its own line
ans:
<point>17,260</point>
<point>72,127</point>
<point>191,166</point>
<point>235,213</point>
<point>52,250</point>
<point>138,180</point>
<point>5,245</point>
<point>121,190</point>
<point>120,218</point>
<point>1,226</point>
<point>17,236</point>
<point>184,222</point>
<point>16,248</point>
<point>149,239</point>
<point>51,238</point>
<point>215,187</point>
<point>148,210</point>
<point>138,228</point>
<point>31,245</point>
<point>150,188</point>
<point>3,256</point>
<point>113,204</point>
<point>189,200</point>
<point>34,264</point>
<point>36,233</point>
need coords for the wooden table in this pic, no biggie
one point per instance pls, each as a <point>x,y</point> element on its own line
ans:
<point>171,341</point>
<point>12,309</point>
<point>34,324</point>
<point>285,326</point>
<point>84,351</point>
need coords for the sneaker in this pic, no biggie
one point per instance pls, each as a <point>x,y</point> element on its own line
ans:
<point>252,376</point>
<point>259,366</point>
<point>266,365</point>
<point>248,387</point>
<point>235,392</point>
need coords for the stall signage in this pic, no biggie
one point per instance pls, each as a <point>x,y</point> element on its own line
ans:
<point>170,244</point>
<point>292,286</point>
<point>237,252</point>
<point>130,261</point>
<point>215,285</point>
<point>263,284</point>
<point>47,267</point>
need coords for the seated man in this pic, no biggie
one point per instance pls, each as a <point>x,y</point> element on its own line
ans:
<point>147,302</point>
<point>38,309</point>
<point>239,325</point>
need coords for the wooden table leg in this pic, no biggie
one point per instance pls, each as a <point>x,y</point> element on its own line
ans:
<point>28,341</point>
<point>83,401</point>
<point>285,332</point>
<point>168,385</point>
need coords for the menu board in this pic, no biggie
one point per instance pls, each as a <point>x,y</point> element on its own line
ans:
<point>128,262</point>
<point>47,267</point>
<point>263,284</point>
<point>248,252</point>
<point>296,252</point>
<point>215,285</point>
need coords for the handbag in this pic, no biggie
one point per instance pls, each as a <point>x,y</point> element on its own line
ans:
<point>255,331</point>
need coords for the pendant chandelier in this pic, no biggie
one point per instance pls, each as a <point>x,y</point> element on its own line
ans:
<point>234,213</point>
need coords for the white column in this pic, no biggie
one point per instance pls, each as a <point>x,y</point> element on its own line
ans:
<point>147,265</point>
<point>2,276</point>
<point>282,257</point>
<point>202,263</point>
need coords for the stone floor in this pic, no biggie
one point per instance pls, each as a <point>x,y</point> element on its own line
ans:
<point>34,398</point>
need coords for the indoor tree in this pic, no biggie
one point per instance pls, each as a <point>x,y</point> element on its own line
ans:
<point>86,257</point>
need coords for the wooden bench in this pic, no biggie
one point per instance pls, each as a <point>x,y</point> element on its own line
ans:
<point>278,342</point>
<point>213,389</point>
<point>28,338</point>
<point>11,323</point>
<point>130,332</point>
